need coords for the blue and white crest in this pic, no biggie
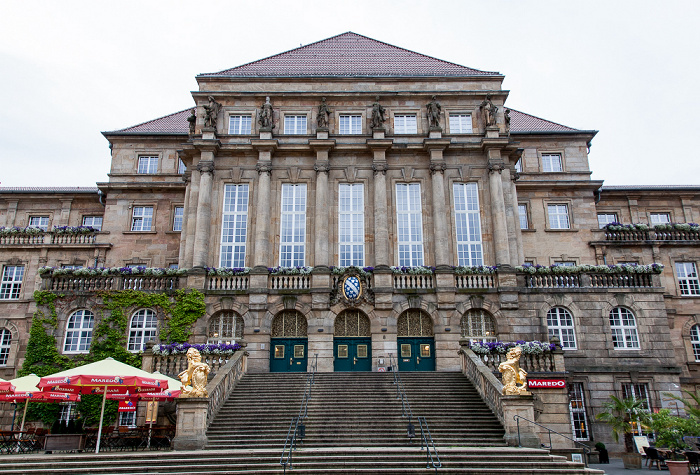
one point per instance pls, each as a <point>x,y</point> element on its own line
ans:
<point>351,287</point>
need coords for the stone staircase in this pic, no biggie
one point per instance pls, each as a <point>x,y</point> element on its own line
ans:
<point>354,426</point>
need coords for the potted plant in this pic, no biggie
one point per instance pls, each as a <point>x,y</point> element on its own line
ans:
<point>620,415</point>
<point>670,431</point>
<point>602,453</point>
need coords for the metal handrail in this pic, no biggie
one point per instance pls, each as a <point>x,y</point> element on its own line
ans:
<point>299,431</point>
<point>586,449</point>
<point>425,436</point>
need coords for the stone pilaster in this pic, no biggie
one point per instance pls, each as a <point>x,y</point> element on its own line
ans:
<point>185,219</point>
<point>381,217</point>
<point>63,219</point>
<point>203,226</point>
<point>437,171</point>
<point>190,226</point>
<point>519,255</point>
<point>321,215</point>
<point>263,255</point>
<point>498,213</point>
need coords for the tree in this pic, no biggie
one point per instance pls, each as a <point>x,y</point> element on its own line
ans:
<point>620,414</point>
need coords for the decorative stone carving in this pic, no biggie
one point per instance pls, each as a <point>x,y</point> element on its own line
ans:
<point>513,374</point>
<point>437,168</point>
<point>192,120</point>
<point>266,115</point>
<point>488,111</point>
<point>206,167</point>
<point>322,167</point>
<point>378,117</point>
<point>194,378</point>
<point>264,167</point>
<point>323,113</point>
<point>351,288</point>
<point>496,167</point>
<point>211,113</point>
<point>506,117</point>
<point>434,110</point>
<point>379,168</point>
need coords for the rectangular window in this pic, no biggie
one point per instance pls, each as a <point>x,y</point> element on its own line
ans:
<point>127,419</point>
<point>577,408</point>
<point>659,218</point>
<point>239,124</point>
<point>519,166</point>
<point>688,280</point>
<point>558,216</point>
<point>468,224</point>
<point>565,263</point>
<point>295,124</point>
<point>178,213</point>
<point>606,218</point>
<point>551,162</point>
<point>93,221</point>
<point>351,225</point>
<point>5,344</point>
<point>350,124</point>
<point>148,164</point>
<point>181,167</point>
<point>409,224</point>
<point>68,412</point>
<point>405,124</point>
<point>11,282</point>
<point>234,228</point>
<point>293,225</point>
<point>638,392</point>
<point>461,124</point>
<point>41,222</point>
<point>522,214</point>
<point>142,218</point>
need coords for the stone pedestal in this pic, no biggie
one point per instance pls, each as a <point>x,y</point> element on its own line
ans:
<point>522,406</point>
<point>435,133</point>
<point>322,133</point>
<point>265,133</point>
<point>191,429</point>
<point>378,132</point>
<point>493,132</point>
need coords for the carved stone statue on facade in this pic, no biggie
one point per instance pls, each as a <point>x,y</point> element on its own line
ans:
<point>192,120</point>
<point>266,116</point>
<point>506,117</point>
<point>378,112</point>
<point>434,110</point>
<point>488,111</point>
<point>211,113</point>
<point>194,378</point>
<point>513,374</point>
<point>323,113</point>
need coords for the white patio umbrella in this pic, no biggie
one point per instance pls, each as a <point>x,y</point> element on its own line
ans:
<point>107,373</point>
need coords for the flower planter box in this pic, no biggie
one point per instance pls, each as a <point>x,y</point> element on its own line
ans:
<point>677,467</point>
<point>632,460</point>
<point>64,442</point>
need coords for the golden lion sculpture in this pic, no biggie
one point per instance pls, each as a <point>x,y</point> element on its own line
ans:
<point>513,374</point>
<point>194,378</point>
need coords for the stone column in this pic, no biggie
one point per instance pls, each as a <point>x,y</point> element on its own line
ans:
<point>382,255</point>
<point>203,226</point>
<point>321,215</point>
<point>441,242</point>
<point>191,223</point>
<point>498,214</point>
<point>185,219</point>
<point>262,255</point>
<point>517,251</point>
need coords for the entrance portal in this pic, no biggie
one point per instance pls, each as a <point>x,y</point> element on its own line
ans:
<point>288,342</point>
<point>352,342</point>
<point>415,341</point>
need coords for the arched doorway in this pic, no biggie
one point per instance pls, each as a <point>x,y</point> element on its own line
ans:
<point>288,342</point>
<point>352,342</point>
<point>225,327</point>
<point>415,341</point>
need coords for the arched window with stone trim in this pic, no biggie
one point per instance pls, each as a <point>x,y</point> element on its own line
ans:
<point>414,323</point>
<point>225,327</point>
<point>5,342</point>
<point>352,323</point>
<point>560,324</point>
<point>623,326</point>
<point>143,328</point>
<point>478,325</point>
<point>289,324</point>
<point>79,332</point>
<point>695,341</point>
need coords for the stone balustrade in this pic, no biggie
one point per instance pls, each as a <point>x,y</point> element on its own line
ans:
<point>414,281</point>
<point>590,280</point>
<point>476,281</point>
<point>543,363</point>
<point>38,239</point>
<point>227,282</point>
<point>92,283</point>
<point>651,235</point>
<point>173,365</point>
<point>289,282</point>
<point>549,281</point>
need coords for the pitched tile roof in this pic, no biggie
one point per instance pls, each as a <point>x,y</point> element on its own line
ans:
<point>522,122</point>
<point>350,55</point>
<point>175,123</point>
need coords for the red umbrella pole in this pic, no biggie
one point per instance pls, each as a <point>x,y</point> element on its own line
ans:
<point>102,415</point>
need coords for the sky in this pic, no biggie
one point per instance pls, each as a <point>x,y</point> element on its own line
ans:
<point>72,69</point>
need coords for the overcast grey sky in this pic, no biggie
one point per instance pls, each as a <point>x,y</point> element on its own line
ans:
<point>71,69</point>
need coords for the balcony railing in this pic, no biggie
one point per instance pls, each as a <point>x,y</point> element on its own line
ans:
<point>475,281</point>
<point>228,282</point>
<point>651,235</point>
<point>414,281</point>
<point>34,239</point>
<point>289,282</point>
<point>78,283</point>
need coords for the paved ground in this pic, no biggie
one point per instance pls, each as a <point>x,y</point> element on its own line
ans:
<point>615,467</point>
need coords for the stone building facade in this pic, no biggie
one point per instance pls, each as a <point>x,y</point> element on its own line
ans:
<point>352,152</point>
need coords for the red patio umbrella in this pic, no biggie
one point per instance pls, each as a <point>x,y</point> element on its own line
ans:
<point>105,374</point>
<point>6,386</point>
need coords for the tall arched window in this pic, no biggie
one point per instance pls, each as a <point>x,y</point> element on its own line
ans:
<point>5,340</point>
<point>79,332</point>
<point>143,327</point>
<point>477,325</point>
<point>624,329</point>
<point>414,323</point>
<point>695,341</point>
<point>289,324</point>
<point>225,327</point>
<point>560,324</point>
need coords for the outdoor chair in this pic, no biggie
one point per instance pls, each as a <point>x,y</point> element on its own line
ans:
<point>693,461</point>
<point>653,457</point>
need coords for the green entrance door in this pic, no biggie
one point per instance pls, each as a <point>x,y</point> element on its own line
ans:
<point>416,354</point>
<point>352,354</point>
<point>288,355</point>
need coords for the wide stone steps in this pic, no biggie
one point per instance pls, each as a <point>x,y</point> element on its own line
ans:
<point>351,460</point>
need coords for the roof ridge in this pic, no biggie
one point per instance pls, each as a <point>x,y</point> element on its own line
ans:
<point>540,118</point>
<point>152,120</point>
